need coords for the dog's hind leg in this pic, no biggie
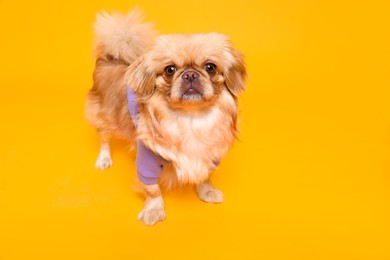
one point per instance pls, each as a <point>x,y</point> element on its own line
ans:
<point>104,160</point>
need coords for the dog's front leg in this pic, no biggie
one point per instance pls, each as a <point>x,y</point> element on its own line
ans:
<point>153,210</point>
<point>208,193</point>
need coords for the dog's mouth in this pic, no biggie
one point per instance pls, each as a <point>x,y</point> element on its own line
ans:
<point>192,94</point>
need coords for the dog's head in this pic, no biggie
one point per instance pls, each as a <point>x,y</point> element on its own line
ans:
<point>188,70</point>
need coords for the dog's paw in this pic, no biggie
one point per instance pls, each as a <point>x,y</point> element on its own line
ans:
<point>103,162</point>
<point>211,196</point>
<point>152,216</point>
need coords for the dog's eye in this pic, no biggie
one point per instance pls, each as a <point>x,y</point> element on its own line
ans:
<point>170,70</point>
<point>210,68</point>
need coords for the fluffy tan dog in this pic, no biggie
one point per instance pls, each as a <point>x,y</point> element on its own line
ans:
<point>185,116</point>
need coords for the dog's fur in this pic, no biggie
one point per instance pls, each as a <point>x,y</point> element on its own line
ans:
<point>191,131</point>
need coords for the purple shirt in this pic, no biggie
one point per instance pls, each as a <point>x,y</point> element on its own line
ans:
<point>149,165</point>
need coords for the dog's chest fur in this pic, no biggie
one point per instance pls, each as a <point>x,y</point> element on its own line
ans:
<point>192,142</point>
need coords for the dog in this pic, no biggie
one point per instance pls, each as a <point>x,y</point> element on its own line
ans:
<point>173,96</point>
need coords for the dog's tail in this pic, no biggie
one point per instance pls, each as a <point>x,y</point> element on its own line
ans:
<point>121,37</point>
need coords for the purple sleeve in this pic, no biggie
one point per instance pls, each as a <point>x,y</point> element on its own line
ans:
<point>149,165</point>
<point>132,105</point>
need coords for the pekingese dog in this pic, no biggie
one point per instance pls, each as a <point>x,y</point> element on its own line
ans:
<point>175,96</point>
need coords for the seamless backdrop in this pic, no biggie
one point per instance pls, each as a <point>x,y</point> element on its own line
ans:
<point>309,178</point>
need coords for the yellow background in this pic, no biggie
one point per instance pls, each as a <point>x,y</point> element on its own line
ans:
<point>308,180</point>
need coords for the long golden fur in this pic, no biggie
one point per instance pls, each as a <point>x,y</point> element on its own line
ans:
<point>190,127</point>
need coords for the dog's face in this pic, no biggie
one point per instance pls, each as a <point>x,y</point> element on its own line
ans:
<point>188,70</point>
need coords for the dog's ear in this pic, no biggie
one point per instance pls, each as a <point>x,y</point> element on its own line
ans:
<point>235,74</point>
<point>141,78</point>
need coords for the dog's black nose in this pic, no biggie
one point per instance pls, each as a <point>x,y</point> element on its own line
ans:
<point>190,75</point>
